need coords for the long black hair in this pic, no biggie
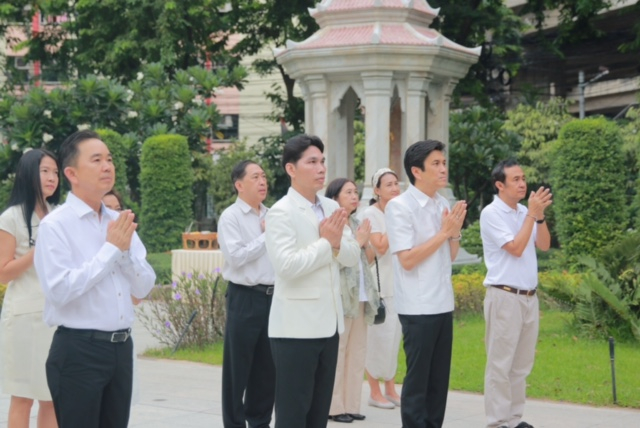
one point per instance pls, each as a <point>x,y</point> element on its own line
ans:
<point>27,188</point>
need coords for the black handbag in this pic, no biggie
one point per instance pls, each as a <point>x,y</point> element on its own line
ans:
<point>382,309</point>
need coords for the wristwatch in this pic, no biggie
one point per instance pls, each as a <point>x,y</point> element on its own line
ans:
<point>541,221</point>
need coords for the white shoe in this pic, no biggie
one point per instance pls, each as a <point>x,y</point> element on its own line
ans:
<point>395,401</point>
<point>380,404</point>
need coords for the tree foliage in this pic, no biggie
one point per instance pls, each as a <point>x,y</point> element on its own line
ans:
<point>115,38</point>
<point>588,188</point>
<point>477,142</point>
<point>166,183</point>
<point>538,127</point>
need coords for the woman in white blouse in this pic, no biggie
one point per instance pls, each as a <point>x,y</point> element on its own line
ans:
<point>360,300</point>
<point>25,337</point>
<point>383,341</point>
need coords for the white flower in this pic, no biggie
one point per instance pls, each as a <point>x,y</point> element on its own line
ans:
<point>131,114</point>
<point>197,101</point>
<point>47,113</point>
<point>174,119</point>
<point>129,95</point>
<point>178,105</point>
<point>15,147</point>
<point>140,75</point>
<point>47,137</point>
<point>83,127</point>
<point>28,149</point>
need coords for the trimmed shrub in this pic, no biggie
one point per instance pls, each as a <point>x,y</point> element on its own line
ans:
<point>588,186</point>
<point>166,181</point>
<point>468,293</point>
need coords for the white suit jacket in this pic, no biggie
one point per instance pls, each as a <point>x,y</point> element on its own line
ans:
<point>306,300</point>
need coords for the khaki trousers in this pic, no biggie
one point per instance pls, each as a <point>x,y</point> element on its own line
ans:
<point>352,350</point>
<point>511,334</point>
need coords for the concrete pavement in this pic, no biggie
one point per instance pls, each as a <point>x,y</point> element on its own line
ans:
<point>182,394</point>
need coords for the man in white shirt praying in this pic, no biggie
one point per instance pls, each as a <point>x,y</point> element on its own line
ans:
<point>90,260</point>
<point>248,372</point>
<point>510,234</point>
<point>424,238</point>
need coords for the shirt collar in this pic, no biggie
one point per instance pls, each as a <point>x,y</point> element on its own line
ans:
<point>78,205</point>
<point>293,192</point>
<point>422,198</point>
<point>246,208</point>
<point>504,207</point>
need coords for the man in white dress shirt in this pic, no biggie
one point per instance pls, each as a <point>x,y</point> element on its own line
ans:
<point>90,261</point>
<point>308,240</point>
<point>248,373</point>
<point>510,234</point>
<point>424,238</point>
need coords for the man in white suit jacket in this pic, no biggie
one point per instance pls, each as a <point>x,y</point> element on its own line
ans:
<point>307,240</point>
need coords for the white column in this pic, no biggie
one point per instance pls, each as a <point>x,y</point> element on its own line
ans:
<point>377,89</point>
<point>414,126</point>
<point>341,137</point>
<point>438,117</point>
<point>316,116</point>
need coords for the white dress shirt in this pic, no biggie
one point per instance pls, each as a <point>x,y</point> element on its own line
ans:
<point>242,243</point>
<point>499,224</point>
<point>88,282</point>
<point>412,219</point>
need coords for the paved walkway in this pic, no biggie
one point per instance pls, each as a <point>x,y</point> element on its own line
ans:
<point>176,394</point>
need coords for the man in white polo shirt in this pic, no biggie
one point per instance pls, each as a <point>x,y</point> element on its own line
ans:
<point>510,235</point>
<point>424,238</point>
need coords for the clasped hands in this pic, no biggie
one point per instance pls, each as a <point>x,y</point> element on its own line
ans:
<point>331,227</point>
<point>453,220</point>
<point>539,200</point>
<point>120,231</point>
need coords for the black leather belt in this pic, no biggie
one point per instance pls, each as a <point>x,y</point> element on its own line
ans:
<point>515,290</point>
<point>118,336</point>
<point>260,288</point>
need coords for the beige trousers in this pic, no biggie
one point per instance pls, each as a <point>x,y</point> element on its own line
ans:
<point>347,389</point>
<point>510,340</point>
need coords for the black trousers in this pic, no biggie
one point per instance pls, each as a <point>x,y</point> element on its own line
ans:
<point>247,368</point>
<point>305,373</point>
<point>90,381</point>
<point>427,345</point>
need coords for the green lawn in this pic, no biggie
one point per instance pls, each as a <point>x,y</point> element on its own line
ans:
<point>567,368</point>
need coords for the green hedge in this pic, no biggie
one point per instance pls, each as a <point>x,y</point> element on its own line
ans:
<point>166,181</point>
<point>588,186</point>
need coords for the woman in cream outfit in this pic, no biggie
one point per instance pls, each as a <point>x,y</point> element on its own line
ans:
<point>25,337</point>
<point>360,300</point>
<point>383,341</point>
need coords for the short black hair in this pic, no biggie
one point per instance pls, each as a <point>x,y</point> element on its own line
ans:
<point>69,149</point>
<point>239,171</point>
<point>296,146</point>
<point>498,174</point>
<point>417,153</point>
<point>335,187</point>
<point>27,187</point>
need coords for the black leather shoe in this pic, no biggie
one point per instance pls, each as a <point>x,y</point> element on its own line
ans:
<point>523,424</point>
<point>356,416</point>
<point>344,418</point>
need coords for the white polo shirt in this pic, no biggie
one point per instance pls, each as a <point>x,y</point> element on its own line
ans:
<point>412,219</point>
<point>499,224</point>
